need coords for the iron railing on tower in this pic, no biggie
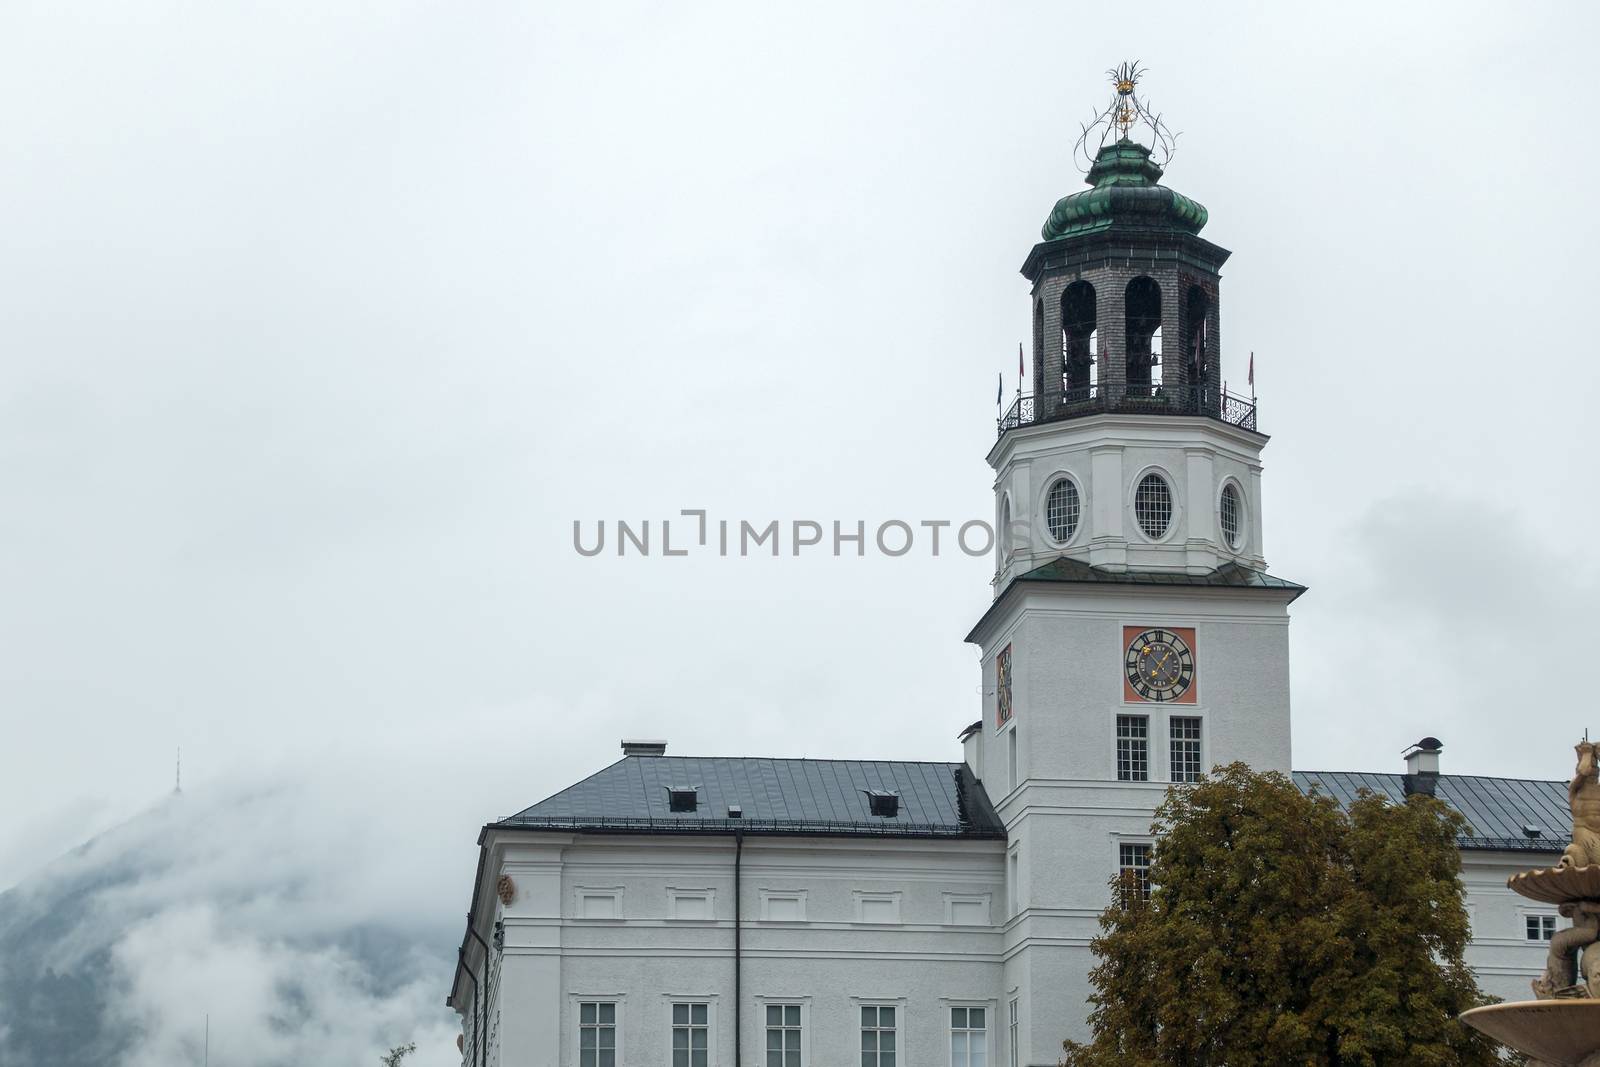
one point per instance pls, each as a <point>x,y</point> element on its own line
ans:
<point>1134,398</point>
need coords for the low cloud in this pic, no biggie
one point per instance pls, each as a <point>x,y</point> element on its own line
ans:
<point>266,1000</point>
<point>305,934</point>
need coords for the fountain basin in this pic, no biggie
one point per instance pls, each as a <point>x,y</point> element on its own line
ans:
<point>1558,885</point>
<point>1563,1033</point>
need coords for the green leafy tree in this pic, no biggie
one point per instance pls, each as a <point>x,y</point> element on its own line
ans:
<point>393,1057</point>
<point>1280,930</point>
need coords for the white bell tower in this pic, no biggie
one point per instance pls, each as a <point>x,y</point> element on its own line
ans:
<point>1135,639</point>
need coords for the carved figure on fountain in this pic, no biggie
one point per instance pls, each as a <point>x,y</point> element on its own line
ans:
<point>1561,973</point>
<point>1583,793</point>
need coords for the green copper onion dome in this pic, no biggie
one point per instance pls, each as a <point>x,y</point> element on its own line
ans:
<point>1126,193</point>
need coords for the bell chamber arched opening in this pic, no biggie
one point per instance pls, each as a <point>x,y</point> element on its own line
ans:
<point>1079,340</point>
<point>1197,351</point>
<point>1038,347</point>
<point>1143,335</point>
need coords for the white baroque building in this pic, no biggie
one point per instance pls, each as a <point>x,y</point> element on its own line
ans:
<point>708,912</point>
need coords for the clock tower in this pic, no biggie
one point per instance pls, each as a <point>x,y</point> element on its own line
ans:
<point>1136,638</point>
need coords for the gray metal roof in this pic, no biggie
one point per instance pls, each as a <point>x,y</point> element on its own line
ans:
<point>1498,809</point>
<point>801,796</point>
<point>796,796</point>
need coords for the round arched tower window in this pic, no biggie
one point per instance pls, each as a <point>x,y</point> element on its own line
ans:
<point>1061,510</point>
<point>1229,513</point>
<point>1152,506</point>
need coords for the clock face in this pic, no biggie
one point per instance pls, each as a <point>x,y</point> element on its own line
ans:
<point>1160,665</point>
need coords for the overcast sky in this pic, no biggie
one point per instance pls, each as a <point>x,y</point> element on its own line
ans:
<point>320,324</point>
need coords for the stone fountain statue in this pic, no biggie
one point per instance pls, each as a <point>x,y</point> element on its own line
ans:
<point>1583,793</point>
<point>1561,1028</point>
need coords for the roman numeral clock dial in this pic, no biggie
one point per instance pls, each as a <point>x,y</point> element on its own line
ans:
<point>1160,665</point>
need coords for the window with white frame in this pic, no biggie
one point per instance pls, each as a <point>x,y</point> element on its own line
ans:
<point>691,1034</point>
<point>1133,865</point>
<point>1133,748</point>
<point>1011,756</point>
<point>1014,880</point>
<point>1152,506</point>
<point>1184,733</point>
<point>1228,509</point>
<point>879,1035</point>
<point>877,907</point>
<point>783,906</point>
<point>969,1038</point>
<point>783,1035</point>
<point>1061,510</point>
<point>690,903</point>
<point>966,909</point>
<point>1014,1028</point>
<point>599,903</point>
<point>597,1033</point>
<point>1541,927</point>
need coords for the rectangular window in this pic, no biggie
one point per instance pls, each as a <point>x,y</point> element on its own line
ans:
<point>691,1031</point>
<point>1015,1056</point>
<point>1541,927</point>
<point>1134,866</point>
<point>1185,734</point>
<point>878,1036</point>
<point>778,907</point>
<point>1011,753</point>
<point>597,1033</point>
<point>1014,880</point>
<point>599,904</point>
<point>969,1045</point>
<point>877,907</point>
<point>966,910</point>
<point>783,1035</point>
<point>691,904</point>
<point>1002,679</point>
<point>1133,748</point>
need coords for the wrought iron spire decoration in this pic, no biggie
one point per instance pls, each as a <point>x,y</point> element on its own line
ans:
<point>1123,116</point>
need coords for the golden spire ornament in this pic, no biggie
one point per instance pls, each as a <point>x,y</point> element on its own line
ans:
<point>1125,117</point>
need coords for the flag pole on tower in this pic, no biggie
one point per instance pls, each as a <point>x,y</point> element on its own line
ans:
<point>1252,377</point>
<point>1019,368</point>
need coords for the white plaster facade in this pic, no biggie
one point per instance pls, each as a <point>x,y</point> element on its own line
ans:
<point>946,947</point>
<point>960,932</point>
<point>832,925</point>
<point>1501,954</point>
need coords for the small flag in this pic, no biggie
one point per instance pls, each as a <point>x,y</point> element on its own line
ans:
<point>999,388</point>
<point>1252,370</point>
<point>1019,366</point>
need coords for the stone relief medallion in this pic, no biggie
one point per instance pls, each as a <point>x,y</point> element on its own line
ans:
<point>507,889</point>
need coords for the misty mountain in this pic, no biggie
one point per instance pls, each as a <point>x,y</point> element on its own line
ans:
<point>241,905</point>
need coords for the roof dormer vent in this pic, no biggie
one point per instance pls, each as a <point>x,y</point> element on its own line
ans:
<point>683,798</point>
<point>884,805</point>
<point>1530,830</point>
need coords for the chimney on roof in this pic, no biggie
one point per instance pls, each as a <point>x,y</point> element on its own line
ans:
<point>972,748</point>
<point>1422,766</point>
<point>643,748</point>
